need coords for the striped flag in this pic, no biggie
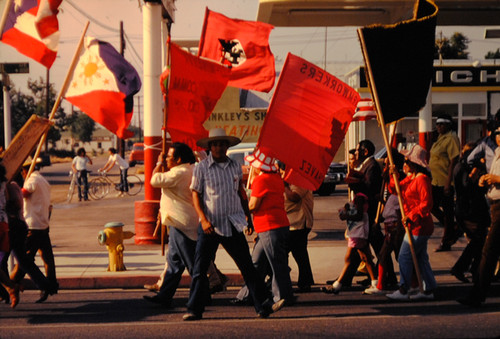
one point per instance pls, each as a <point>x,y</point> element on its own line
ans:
<point>32,28</point>
<point>365,110</point>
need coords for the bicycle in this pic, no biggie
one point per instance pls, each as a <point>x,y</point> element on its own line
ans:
<point>92,192</point>
<point>101,186</point>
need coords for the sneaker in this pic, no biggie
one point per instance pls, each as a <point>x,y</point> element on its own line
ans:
<point>398,296</point>
<point>334,288</point>
<point>422,296</point>
<point>373,290</point>
<point>278,305</point>
<point>119,194</point>
<point>191,316</point>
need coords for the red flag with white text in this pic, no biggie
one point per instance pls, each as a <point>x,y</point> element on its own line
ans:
<point>32,28</point>
<point>195,86</point>
<point>307,120</point>
<point>243,45</point>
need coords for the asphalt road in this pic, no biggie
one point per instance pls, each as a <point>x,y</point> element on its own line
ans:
<point>124,314</point>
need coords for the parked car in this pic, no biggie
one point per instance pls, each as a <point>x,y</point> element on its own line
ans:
<point>334,176</point>
<point>137,153</point>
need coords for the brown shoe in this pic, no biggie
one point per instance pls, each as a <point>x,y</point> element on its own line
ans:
<point>152,288</point>
<point>14,296</point>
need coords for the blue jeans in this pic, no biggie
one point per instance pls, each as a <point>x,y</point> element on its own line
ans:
<point>180,256</point>
<point>123,180</point>
<point>237,247</point>
<point>406,263</point>
<point>275,245</point>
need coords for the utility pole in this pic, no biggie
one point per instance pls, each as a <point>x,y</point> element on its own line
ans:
<point>121,142</point>
<point>47,106</point>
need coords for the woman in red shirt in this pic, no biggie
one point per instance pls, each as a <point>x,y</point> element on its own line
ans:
<point>271,224</point>
<point>417,203</point>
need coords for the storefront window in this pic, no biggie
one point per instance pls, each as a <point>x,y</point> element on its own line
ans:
<point>451,109</point>
<point>474,110</point>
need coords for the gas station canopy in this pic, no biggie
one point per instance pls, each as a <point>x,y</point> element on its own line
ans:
<point>365,12</point>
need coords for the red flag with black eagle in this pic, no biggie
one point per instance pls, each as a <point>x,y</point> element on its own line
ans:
<point>307,120</point>
<point>243,45</point>
<point>195,86</point>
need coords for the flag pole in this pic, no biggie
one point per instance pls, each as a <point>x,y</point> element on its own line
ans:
<point>5,14</point>
<point>62,92</point>
<point>380,118</point>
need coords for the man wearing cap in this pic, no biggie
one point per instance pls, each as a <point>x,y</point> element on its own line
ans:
<point>36,194</point>
<point>444,155</point>
<point>222,206</point>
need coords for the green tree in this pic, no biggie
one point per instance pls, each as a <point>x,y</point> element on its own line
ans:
<point>82,126</point>
<point>493,55</point>
<point>454,47</point>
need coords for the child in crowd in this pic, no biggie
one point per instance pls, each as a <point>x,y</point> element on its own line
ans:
<point>356,215</point>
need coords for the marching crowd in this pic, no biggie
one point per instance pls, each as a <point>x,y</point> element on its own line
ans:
<point>204,205</point>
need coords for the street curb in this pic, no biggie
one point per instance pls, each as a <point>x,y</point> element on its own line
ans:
<point>125,282</point>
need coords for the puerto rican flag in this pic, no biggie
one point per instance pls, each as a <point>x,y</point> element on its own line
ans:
<point>365,110</point>
<point>103,86</point>
<point>32,28</point>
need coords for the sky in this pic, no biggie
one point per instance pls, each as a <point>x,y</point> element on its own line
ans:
<point>342,47</point>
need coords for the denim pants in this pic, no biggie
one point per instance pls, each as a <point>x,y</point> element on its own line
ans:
<point>180,256</point>
<point>237,247</point>
<point>275,246</point>
<point>123,180</point>
<point>298,247</point>
<point>406,263</point>
<point>83,181</point>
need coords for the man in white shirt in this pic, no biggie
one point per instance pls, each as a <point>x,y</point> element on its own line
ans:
<point>37,207</point>
<point>114,158</point>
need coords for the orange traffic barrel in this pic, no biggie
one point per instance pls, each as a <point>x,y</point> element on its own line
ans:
<point>146,214</point>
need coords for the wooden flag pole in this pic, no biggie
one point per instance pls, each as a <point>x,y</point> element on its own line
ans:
<point>5,14</point>
<point>62,92</point>
<point>389,154</point>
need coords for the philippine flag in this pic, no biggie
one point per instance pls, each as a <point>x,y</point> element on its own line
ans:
<point>103,86</point>
<point>32,28</point>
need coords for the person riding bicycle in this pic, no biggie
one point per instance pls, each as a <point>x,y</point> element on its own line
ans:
<point>79,166</point>
<point>114,158</point>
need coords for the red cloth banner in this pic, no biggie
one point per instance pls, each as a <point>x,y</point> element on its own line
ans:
<point>243,45</point>
<point>307,120</point>
<point>195,87</point>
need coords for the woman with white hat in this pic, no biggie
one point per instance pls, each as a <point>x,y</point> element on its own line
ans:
<point>417,201</point>
<point>271,222</point>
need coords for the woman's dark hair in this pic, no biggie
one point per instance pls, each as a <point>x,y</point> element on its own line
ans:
<point>183,152</point>
<point>420,169</point>
<point>81,151</point>
<point>112,150</point>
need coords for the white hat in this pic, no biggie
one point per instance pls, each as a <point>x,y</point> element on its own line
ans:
<point>260,160</point>
<point>417,155</point>
<point>218,134</point>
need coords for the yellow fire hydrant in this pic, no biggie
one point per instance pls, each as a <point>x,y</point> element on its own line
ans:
<point>112,236</point>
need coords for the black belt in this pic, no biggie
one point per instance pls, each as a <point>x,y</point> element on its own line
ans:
<point>494,202</point>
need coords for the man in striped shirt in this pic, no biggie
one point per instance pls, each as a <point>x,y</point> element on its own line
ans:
<point>222,205</point>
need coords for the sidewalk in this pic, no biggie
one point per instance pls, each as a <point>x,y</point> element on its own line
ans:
<point>81,263</point>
